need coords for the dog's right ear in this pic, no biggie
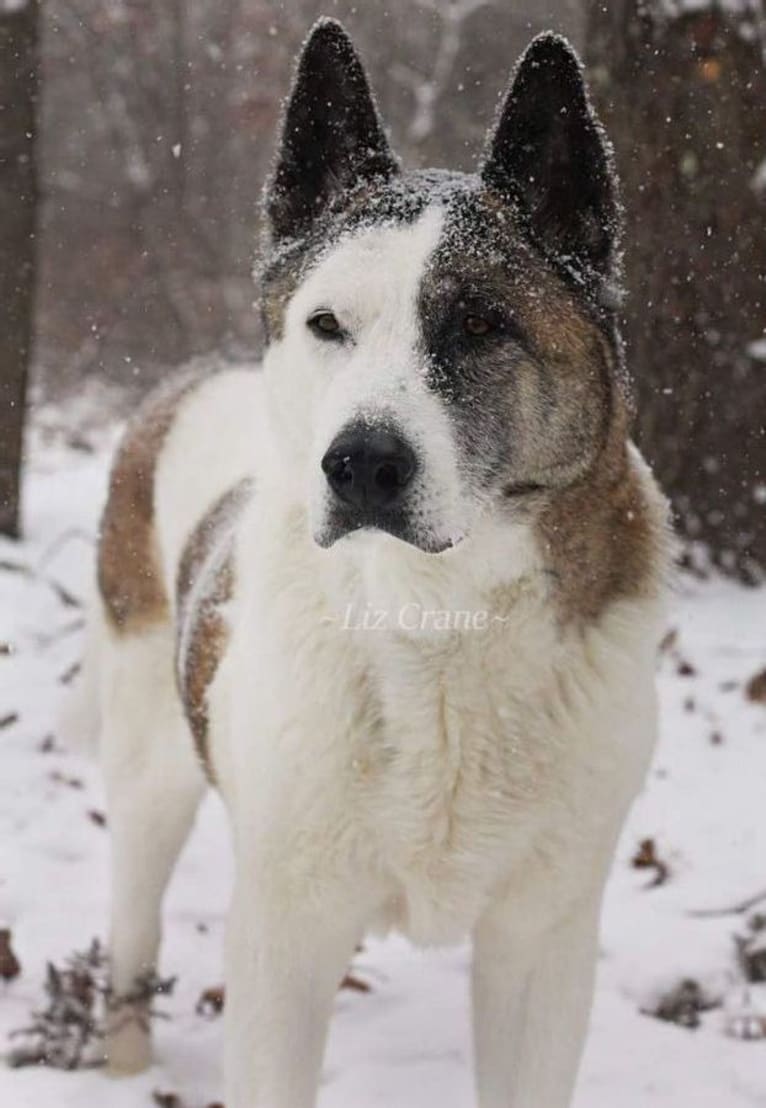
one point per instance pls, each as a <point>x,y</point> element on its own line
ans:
<point>332,136</point>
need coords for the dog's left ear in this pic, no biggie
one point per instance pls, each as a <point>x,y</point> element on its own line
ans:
<point>549,153</point>
<point>332,136</point>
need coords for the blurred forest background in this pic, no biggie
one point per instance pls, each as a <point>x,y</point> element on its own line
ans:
<point>135,136</point>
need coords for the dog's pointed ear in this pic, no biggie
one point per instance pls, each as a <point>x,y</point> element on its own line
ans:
<point>549,153</point>
<point>332,135</point>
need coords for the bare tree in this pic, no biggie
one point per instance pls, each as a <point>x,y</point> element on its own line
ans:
<point>158,128</point>
<point>18,206</point>
<point>682,89</point>
<point>429,89</point>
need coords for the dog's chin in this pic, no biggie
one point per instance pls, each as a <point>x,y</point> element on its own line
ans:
<point>392,527</point>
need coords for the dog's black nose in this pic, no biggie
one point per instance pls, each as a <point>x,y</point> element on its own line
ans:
<point>369,467</point>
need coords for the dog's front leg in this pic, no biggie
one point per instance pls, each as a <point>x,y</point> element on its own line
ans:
<point>285,960</point>
<point>532,995</point>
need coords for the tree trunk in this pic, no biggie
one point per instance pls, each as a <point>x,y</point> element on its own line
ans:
<point>683,97</point>
<point>18,207</point>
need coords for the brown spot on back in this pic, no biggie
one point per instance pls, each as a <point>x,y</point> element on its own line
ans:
<point>129,574</point>
<point>205,583</point>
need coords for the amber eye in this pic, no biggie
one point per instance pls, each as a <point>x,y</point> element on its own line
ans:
<point>476,325</point>
<point>325,325</point>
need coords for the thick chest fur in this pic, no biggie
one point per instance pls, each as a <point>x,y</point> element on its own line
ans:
<point>505,763</point>
<point>444,766</point>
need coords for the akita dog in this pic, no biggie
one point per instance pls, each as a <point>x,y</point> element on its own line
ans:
<point>396,594</point>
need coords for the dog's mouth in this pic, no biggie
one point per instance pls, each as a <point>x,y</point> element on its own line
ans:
<point>512,492</point>
<point>395,525</point>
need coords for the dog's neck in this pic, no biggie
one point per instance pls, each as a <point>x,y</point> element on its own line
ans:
<point>474,576</point>
<point>372,578</point>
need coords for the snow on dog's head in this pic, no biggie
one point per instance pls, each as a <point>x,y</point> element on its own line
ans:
<point>442,346</point>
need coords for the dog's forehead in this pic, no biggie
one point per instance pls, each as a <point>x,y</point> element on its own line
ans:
<point>452,231</point>
<point>444,230</point>
<point>483,242</point>
<point>425,226</point>
<point>375,263</point>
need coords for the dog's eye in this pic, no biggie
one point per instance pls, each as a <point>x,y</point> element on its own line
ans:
<point>325,325</point>
<point>477,326</point>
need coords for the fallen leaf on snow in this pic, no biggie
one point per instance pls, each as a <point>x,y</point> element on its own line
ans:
<point>646,857</point>
<point>755,689</point>
<point>751,951</point>
<point>166,1100</point>
<point>350,981</point>
<point>683,1004</point>
<point>211,1001</point>
<point>10,966</point>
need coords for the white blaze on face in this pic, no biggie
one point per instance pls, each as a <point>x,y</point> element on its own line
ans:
<point>371,283</point>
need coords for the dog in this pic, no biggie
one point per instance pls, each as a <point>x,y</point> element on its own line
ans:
<point>396,592</point>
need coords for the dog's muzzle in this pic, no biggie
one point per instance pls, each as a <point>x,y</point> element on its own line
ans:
<point>369,469</point>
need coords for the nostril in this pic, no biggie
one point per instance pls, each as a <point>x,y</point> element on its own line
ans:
<point>391,476</point>
<point>338,468</point>
<point>341,468</point>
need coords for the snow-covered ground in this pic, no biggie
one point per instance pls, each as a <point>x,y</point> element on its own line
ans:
<point>405,1043</point>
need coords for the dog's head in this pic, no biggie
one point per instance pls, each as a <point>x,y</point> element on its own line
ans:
<point>441,345</point>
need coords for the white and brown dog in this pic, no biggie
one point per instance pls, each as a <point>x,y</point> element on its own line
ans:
<point>396,593</point>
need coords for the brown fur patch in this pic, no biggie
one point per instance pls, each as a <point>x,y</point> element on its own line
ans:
<point>205,583</point>
<point>603,537</point>
<point>548,414</point>
<point>129,576</point>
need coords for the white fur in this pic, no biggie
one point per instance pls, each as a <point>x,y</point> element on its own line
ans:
<point>444,783</point>
<point>208,449</point>
<point>371,281</point>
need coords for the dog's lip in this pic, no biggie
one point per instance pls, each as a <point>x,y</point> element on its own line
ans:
<point>431,545</point>
<point>448,544</point>
<point>523,488</point>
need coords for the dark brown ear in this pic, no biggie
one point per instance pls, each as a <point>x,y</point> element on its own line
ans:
<point>549,154</point>
<point>332,136</point>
